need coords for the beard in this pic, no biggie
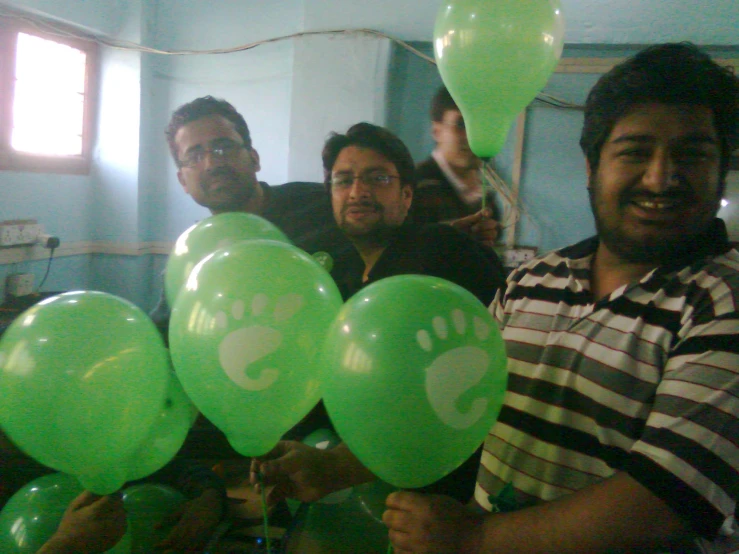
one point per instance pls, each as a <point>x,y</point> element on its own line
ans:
<point>378,233</point>
<point>661,246</point>
<point>225,189</point>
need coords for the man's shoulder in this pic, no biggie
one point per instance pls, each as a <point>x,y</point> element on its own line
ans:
<point>427,165</point>
<point>429,174</point>
<point>553,269</point>
<point>296,190</point>
<point>446,242</point>
<point>441,232</point>
<point>296,198</point>
<point>726,263</point>
<point>302,210</point>
<point>718,274</point>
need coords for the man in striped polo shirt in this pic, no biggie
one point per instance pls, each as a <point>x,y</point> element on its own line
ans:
<point>620,430</point>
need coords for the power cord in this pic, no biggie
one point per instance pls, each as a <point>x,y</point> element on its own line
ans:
<point>52,27</point>
<point>48,267</point>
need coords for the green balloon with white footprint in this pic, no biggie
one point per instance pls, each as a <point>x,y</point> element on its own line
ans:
<point>417,377</point>
<point>245,336</point>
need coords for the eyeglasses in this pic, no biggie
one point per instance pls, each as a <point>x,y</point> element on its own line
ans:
<point>373,179</point>
<point>224,149</point>
<point>459,125</point>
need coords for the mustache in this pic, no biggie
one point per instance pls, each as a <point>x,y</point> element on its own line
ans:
<point>218,172</point>
<point>363,204</point>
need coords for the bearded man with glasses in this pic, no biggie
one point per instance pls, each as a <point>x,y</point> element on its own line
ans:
<point>371,178</point>
<point>217,166</point>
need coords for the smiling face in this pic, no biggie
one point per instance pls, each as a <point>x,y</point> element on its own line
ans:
<point>221,183</point>
<point>657,183</point>
<point>367,196</point>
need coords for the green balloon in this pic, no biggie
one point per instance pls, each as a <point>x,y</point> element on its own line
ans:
<point>418,374</point>
<point>494,56</point>
<point>167,433</point>
<point>32,515</point>
<point>245,335</point>
<point>323,439</point>
<point>353,527</point>
<point>371,497</point>
<point>207,236</point>
<point>82,379</point>
<point>148,505</point>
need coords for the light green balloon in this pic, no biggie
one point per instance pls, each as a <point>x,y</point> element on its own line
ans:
<point>167,433</point>
<point>82,378</point>
<point>33,514</point>
<point>417,377</point>
<point>207,236</point>
<point>245,335</point>
<point>148,505</point>
<point>348,520</point>
<point>351,527</point>
<point>494,56</point>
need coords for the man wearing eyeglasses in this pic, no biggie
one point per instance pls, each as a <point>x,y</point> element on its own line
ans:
<point>450,186</point>
<point>371,179</point>
<point>217,166</point>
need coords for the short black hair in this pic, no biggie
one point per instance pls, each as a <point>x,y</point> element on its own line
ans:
<point>374,137</point>
<point>441,103</point>
<point>203,107</point>
<point>671,73</point>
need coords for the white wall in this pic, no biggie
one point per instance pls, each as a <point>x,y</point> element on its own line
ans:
<point>338,81</point>
<point>257,82</point>
<point>100,16</point>
<point>103,205</point>
<point>292,94</point>
<point>588,21</point>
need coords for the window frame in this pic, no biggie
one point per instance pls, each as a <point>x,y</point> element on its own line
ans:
<point>12,160</point>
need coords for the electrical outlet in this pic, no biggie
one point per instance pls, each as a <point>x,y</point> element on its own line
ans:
<point>29,232</point>
<point>514,257</point>
<point>20,231</point>
<point>19,284</point>
<point>8,235</point>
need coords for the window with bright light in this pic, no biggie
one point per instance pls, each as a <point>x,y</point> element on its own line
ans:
<point>47,101</point>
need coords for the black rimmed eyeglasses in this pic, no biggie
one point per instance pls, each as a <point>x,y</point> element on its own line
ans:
<point>374,179</point>
<point>223,149</point>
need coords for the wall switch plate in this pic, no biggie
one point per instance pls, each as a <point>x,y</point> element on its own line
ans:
<point>19,284</point>
<point>19,231</point>
<point>514,257</point>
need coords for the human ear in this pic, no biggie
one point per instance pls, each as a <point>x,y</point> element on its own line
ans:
<point>255,158</point>
<point>435,130</point>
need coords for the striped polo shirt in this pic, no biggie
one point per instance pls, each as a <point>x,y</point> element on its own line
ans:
<point>645,381</point>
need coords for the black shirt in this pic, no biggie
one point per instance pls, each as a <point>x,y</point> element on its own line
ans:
<point>438,251</point>
<point>303,212</point>
<point>436,200</point>
<point>434,250</point>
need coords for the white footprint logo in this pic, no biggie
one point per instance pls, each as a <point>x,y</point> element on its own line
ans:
<point>241,348</point>
<point>454,372</point>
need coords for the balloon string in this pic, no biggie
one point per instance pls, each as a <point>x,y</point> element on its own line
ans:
<point>483,184</point>
<point>264,514</point>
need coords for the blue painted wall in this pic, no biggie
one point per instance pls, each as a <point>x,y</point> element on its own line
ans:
<point>132,197</point>
<point>553,181</point>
